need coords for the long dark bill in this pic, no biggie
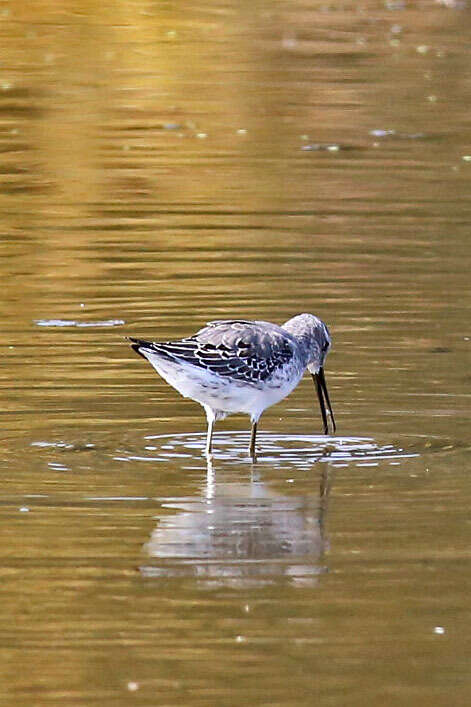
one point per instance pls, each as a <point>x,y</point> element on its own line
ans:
<point>321,388</point>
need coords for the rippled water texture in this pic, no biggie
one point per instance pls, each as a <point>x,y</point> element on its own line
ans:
<point>164,164</point>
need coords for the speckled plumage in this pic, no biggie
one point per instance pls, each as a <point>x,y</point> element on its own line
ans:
<point>244,366</point>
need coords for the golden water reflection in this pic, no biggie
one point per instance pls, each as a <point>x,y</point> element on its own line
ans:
<point>163,165</point>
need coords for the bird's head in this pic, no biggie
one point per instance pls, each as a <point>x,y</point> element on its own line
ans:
<point>315,341</point>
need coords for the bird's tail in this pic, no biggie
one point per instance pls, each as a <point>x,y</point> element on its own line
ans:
<point>139,345</point>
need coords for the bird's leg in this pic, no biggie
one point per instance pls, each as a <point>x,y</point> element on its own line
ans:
<point>209,437</point>
<point>253,435</point>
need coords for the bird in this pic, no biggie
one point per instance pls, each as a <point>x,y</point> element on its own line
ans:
<point>241,366</point>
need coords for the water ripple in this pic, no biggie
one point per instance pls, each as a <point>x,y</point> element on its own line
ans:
<point>273,448</point>
<point>75,323</point>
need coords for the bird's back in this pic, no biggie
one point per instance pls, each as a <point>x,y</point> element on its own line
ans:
<point>249,352</point>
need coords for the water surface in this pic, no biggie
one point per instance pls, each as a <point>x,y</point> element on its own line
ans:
<point>164,166</point>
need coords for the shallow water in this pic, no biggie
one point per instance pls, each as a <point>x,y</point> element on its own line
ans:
<point>164,166</point>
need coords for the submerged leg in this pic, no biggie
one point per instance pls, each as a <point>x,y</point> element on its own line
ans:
<point>253,435</point>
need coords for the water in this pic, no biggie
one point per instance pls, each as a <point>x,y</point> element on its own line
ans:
<point>163,166</point>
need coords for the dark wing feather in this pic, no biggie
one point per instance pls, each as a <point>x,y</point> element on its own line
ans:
<point>218,322</point>
<point>246,351</point>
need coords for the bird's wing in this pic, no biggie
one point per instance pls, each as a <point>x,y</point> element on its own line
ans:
<point>247,351</point>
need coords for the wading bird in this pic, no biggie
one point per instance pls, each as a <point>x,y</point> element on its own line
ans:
<point>236,365</point>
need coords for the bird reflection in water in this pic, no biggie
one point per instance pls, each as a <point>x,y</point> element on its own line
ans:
<point>242,534</point>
